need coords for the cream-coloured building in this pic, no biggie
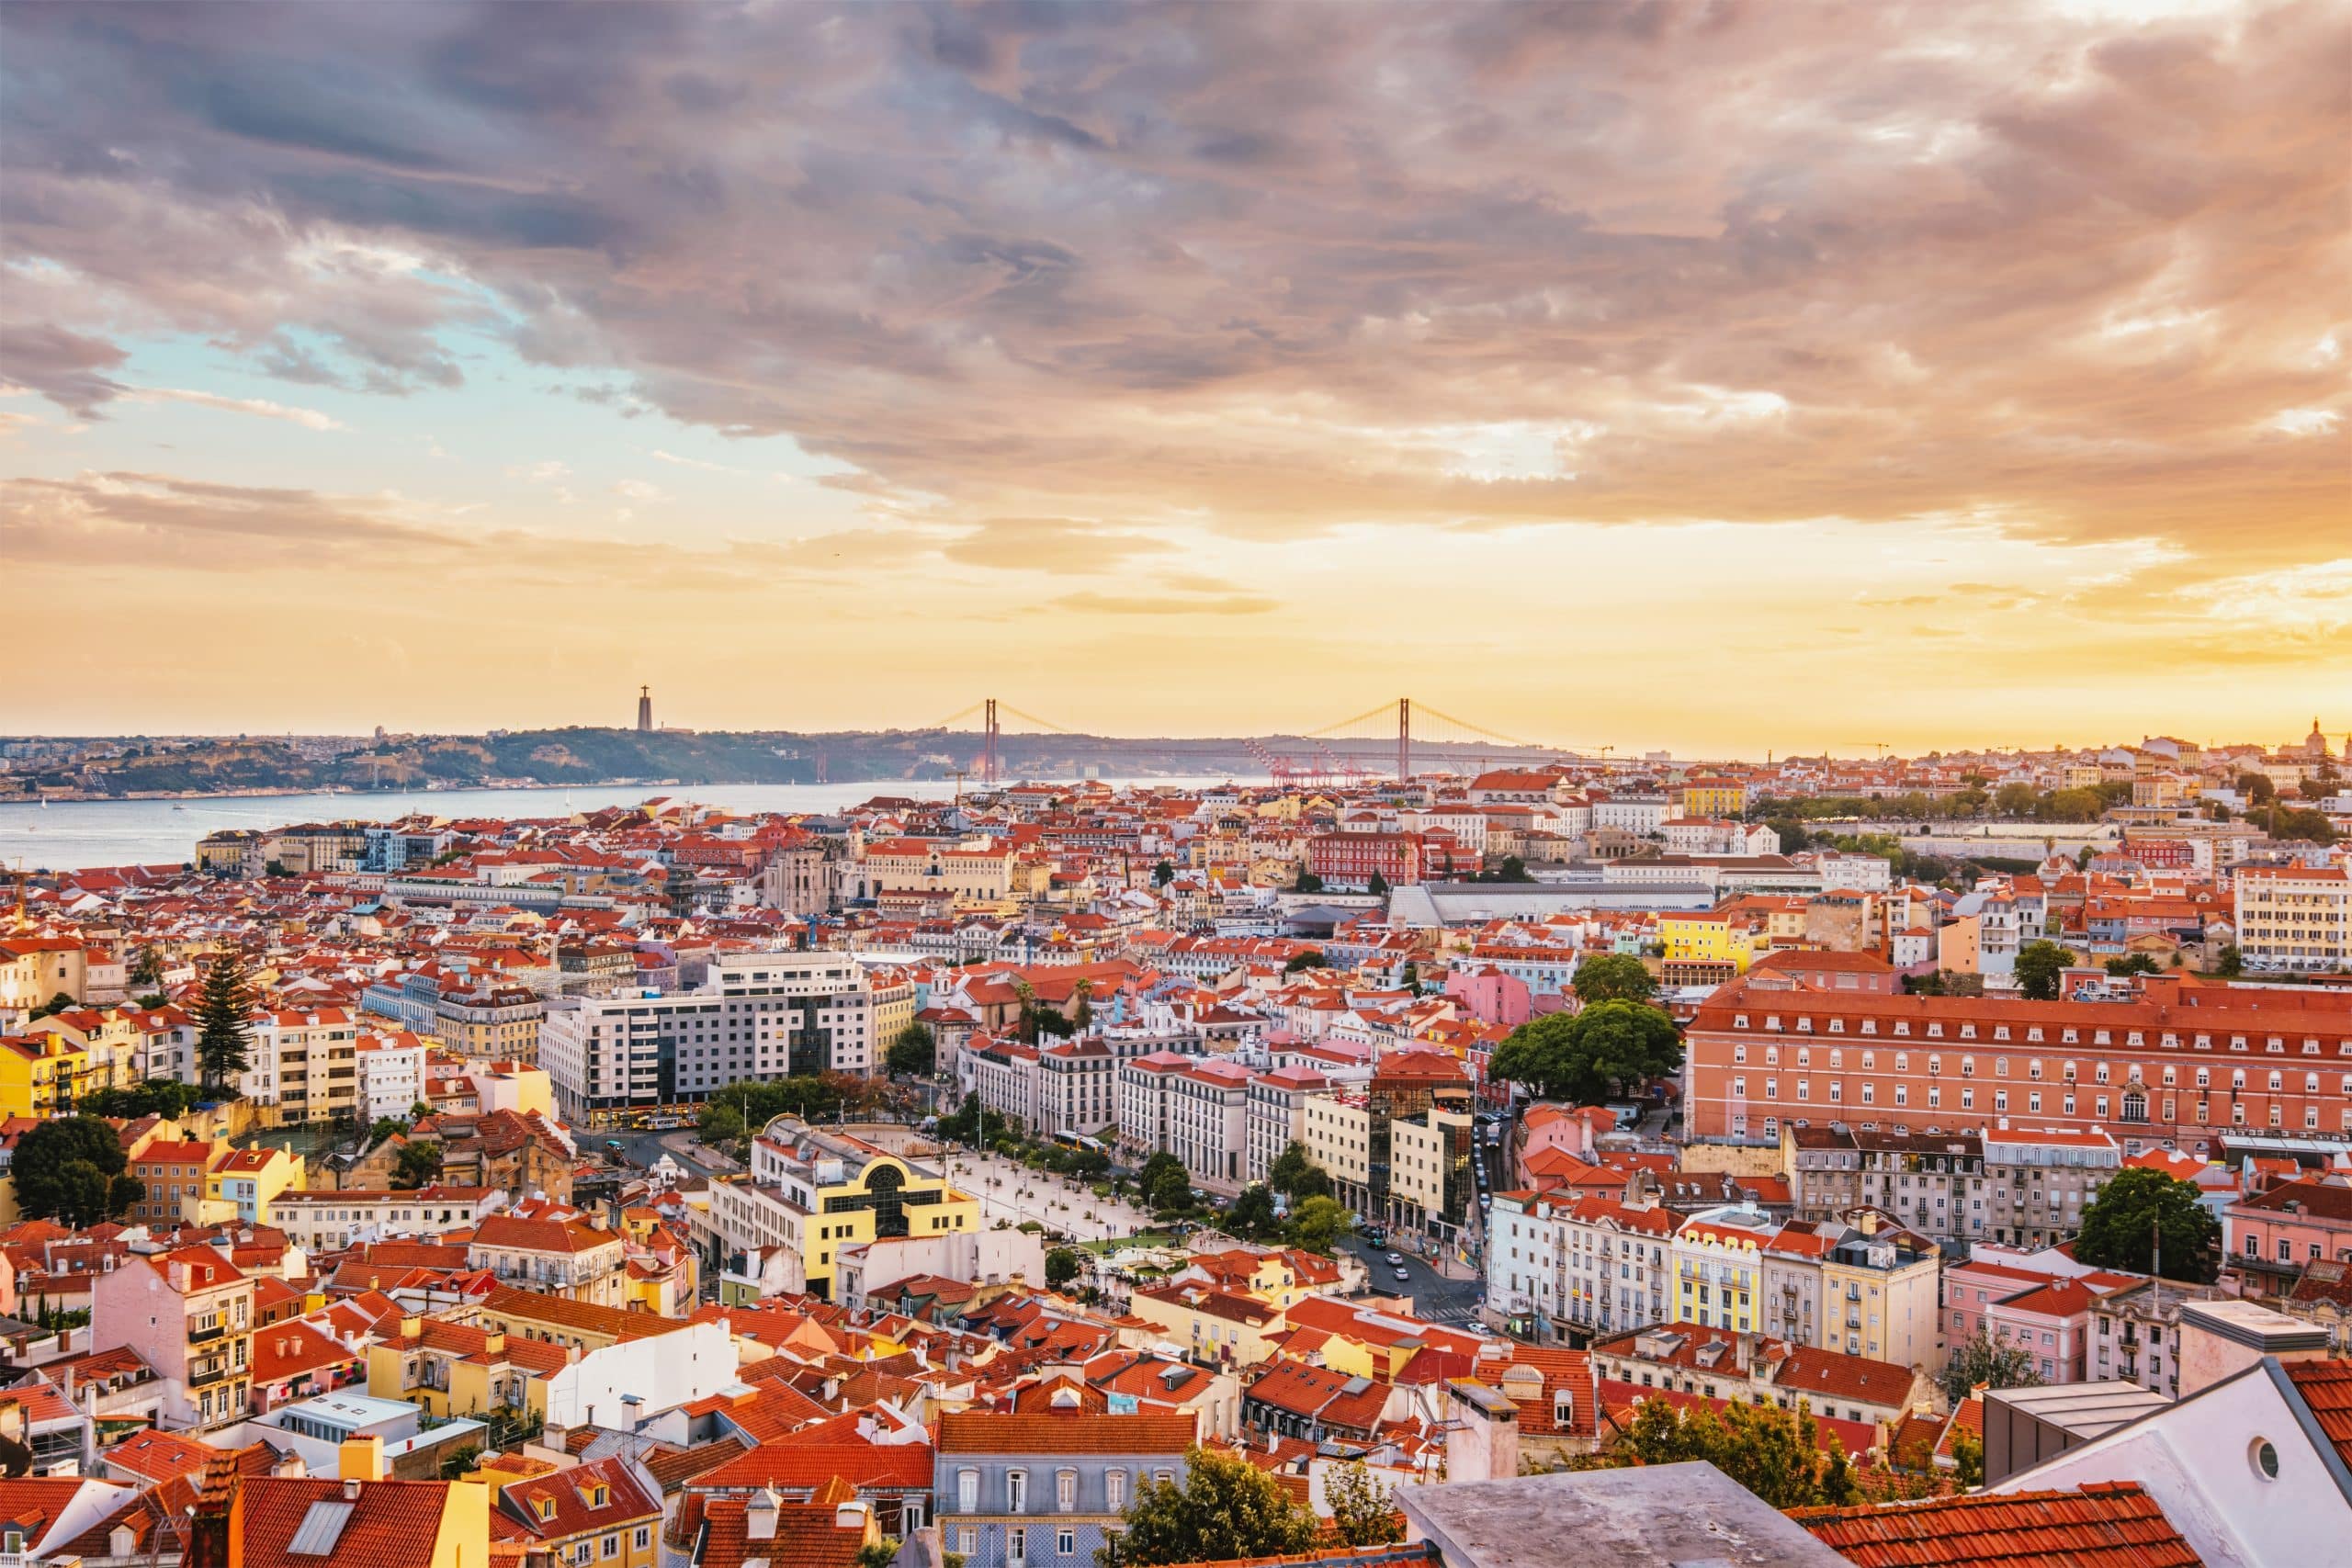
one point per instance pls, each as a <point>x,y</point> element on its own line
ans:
<point>2294,917</point>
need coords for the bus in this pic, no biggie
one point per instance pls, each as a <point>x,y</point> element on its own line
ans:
<point>1071,1140</point>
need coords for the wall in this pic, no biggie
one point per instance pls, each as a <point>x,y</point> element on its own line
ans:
<point>671,1369</point>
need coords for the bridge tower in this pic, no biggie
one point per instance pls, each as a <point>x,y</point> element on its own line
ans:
<point>1404,739</point>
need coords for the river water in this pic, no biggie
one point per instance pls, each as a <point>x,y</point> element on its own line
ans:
<point>70,835</point>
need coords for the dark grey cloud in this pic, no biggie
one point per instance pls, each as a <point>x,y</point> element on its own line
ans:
<point>65,366</point>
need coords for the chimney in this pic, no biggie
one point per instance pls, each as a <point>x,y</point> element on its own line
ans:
<point>854,1515</point>
<point>360,1458</point>
<point>760,1514</point>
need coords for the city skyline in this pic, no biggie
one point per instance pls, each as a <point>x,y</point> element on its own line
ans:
<point>1600,374</point>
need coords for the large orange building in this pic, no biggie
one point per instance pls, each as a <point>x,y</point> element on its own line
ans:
<point>2183,1062</point>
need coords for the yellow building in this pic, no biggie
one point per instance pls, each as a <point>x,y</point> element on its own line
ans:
<point>38,1071</point>
<point>1880,1296</point>
<point>1718,1268</point>
<point>596,1514</point>
<point>816,1191</point>
<point>243,1183</point>
<point>1228,1329</point>
<point>1705,936</point>
<point>461,1369</point>
<point>1714,797</point>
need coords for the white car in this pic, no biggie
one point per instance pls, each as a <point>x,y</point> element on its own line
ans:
<point>1395,1258</point>
<point>1401,1274</point>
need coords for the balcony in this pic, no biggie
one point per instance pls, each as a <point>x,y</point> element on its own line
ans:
<point>196,1335</point>
<point>207,1378</point>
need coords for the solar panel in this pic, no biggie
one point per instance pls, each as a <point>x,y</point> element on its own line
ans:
<point>320,1529</point>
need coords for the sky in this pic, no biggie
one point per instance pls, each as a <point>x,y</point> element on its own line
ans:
<point>1722,376</point>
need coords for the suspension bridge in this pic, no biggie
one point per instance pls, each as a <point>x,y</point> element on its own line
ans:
<point>1376,743</point>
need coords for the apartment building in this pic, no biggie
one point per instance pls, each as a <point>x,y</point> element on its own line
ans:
<point>189,1314</point>
<point>1275,1116</point>
<point>759,1016</point>
<point>1045,1489</point>
<point>1077,1086</point>
<point>329,1221</point>
<point>2178,1066</point>
<point>2270,1238</point>
<point>392,1076</point>
<point>580,1260</point>
<point>1935,1183</point>
<point>304,1067</point>
<point>2294,917</point>
<point>2135,1334</point>
<point>2039,1180</point>
<point>1148,1101</point>
<point>1429,1181</point>
<point>499,1020</point>
<point>1207,1116</point>
<point>813,1193</point>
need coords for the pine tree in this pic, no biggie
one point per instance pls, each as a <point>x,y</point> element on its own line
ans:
<point>222,1033</point>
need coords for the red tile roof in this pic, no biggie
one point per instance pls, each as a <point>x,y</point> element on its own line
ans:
<point>2108,1525</point>
<point>393,1524</point>
<point>2327,1389</point>
<point>1146,1432</point>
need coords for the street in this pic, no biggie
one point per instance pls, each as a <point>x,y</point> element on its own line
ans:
<point>1435,1298</point>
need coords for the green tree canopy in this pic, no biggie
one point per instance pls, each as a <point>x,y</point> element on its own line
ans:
<point>2122,1224</point>
<point>1311,959</point>
<point>1224,1508</point>
<point>2040,965</point>
<point>1062,1266</point>
<point>1251,1215</point>
<point>914,1054</point>
<point>1987,1362</point>
<point>1363,1512</point>
<point>1771,1451</point>
<point>223,1027</point>
<point>67,1169</point>
<point>1296,1175</point>
<point>1319,1224</point>
<point>1588,1056</point>
<point>1613,977</point>
<point>418,1163</point>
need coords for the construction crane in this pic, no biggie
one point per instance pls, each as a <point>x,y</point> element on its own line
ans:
<point>1880,745</point>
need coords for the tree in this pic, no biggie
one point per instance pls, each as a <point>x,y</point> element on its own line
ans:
<point>222,1030</point>
<point>2131,963</point>
<point>1613,977</point>
<point>2312,826</point>
<point>1224,1508</point>
<point>154,1097</point>
<point>66,1168</point>
<point>1062,1266</point>
<point>2016,800</point>
<point>1968,1460</point>
<point>1296,1175</point>
<point>418,1163</point>
<point>1251,1215</point>
<point>1773,1452</point>
<point>2256,787</point>
<point>147,967</point>
<point>914,1052</point>
<point>1311,959</point>
<point>1584,1058</point>
<point>1162,874</point>
<point>59,1001</point>
<point>1319,1224</point>
<point>1170,1190</point>
<point>1307,882</point>
<point>2232,961</point>
<point>1377,886</point>
<point>1989,1362</point>
<point>1413,977</point>
<point>878,1553</point>
<point>2040,966</point>
<point>1363,1512</point>
<point>2135,1209</point>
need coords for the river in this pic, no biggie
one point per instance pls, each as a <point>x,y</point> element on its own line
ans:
<point>69,835</point>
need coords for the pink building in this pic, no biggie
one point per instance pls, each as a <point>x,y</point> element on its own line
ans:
<point>1560,1129</point>
<point>1491,996</point>
<point>2272,1235</point>
<point>189,1314</point>
<point>1972,1287</point>
<point>2052,1323</point>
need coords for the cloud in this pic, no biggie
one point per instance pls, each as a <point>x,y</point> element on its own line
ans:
<point>309,419</point>
<point>66,368</point>
<point>1057,545</point>
<point>637,490</point>
<point>1148,604</point>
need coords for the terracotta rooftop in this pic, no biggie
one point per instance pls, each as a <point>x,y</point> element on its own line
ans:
<point>2108,1525</point>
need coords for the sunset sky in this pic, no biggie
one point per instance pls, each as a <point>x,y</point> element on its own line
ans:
<point>1720,377</point>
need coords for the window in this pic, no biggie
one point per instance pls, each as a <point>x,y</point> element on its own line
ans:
<point>968,1490</point>
<point>1066,1493</point>
<point>967,1540</point>
<point>1016,1491</point>
<point>1114,1489</point>
<point>1065,1544</point>
<point>612,1546</point>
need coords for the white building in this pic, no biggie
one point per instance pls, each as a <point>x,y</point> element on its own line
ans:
<point>2294,918</point>
<point>759,1016</point>
<point>392,1076</point>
